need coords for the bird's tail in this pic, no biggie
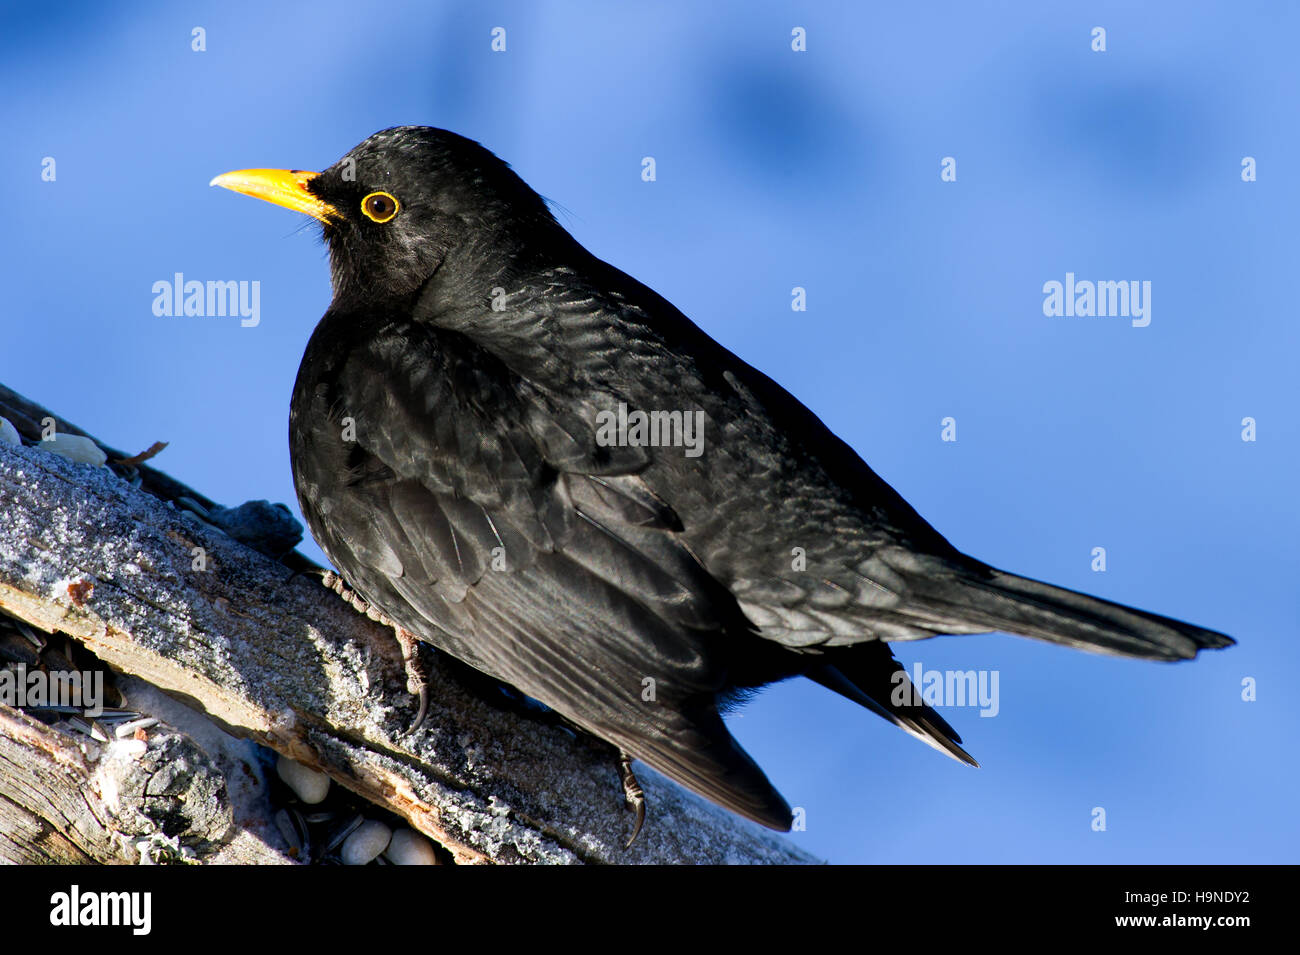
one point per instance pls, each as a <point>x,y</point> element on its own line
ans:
<point>980,596</point>
<point>869,675</point>
<point>946,595</point>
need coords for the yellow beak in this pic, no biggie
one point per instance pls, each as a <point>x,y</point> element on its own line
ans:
<point>284,187</point>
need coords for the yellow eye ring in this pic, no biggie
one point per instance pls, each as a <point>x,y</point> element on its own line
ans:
<point>379,207</point>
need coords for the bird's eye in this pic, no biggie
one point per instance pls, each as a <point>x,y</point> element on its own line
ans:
<point>379,206</point>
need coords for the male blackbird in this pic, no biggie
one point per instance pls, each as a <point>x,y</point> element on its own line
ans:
<point>469,448</point>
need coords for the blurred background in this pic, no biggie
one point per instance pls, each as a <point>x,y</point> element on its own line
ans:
<point>774,169</point>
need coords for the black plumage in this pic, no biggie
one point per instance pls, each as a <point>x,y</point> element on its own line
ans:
<point>444,438</point>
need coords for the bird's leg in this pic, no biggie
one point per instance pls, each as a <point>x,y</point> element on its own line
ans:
<point>417,683</point>
<point>633,793</point>
<point>503,696</point>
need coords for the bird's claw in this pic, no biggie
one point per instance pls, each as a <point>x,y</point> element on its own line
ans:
<point>633,793</point>
<point>417,684</point>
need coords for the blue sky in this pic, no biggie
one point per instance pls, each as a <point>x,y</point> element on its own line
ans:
<point>778,169</point>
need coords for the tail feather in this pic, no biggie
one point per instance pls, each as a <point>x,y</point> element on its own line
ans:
<point>983,596</point>
<point>972,597</point>
<point>871,677</point>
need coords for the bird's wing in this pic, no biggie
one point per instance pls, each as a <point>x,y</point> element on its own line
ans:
<point>819,551</point>
<point>480,515</point>
<point>817,548</point>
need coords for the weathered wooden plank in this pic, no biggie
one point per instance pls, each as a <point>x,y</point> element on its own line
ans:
<point>67,799</point>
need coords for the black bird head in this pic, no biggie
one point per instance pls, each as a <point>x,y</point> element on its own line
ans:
<point>403,204</point>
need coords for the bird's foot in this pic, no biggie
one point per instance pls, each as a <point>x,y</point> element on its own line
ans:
<point>353,599</point>
<point>417,682</point>
<point>633,793</point>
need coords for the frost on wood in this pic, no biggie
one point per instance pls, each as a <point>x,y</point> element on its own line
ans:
<point>277,658</point>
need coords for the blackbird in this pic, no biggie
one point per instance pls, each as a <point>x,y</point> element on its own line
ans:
<point>532,461</point>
